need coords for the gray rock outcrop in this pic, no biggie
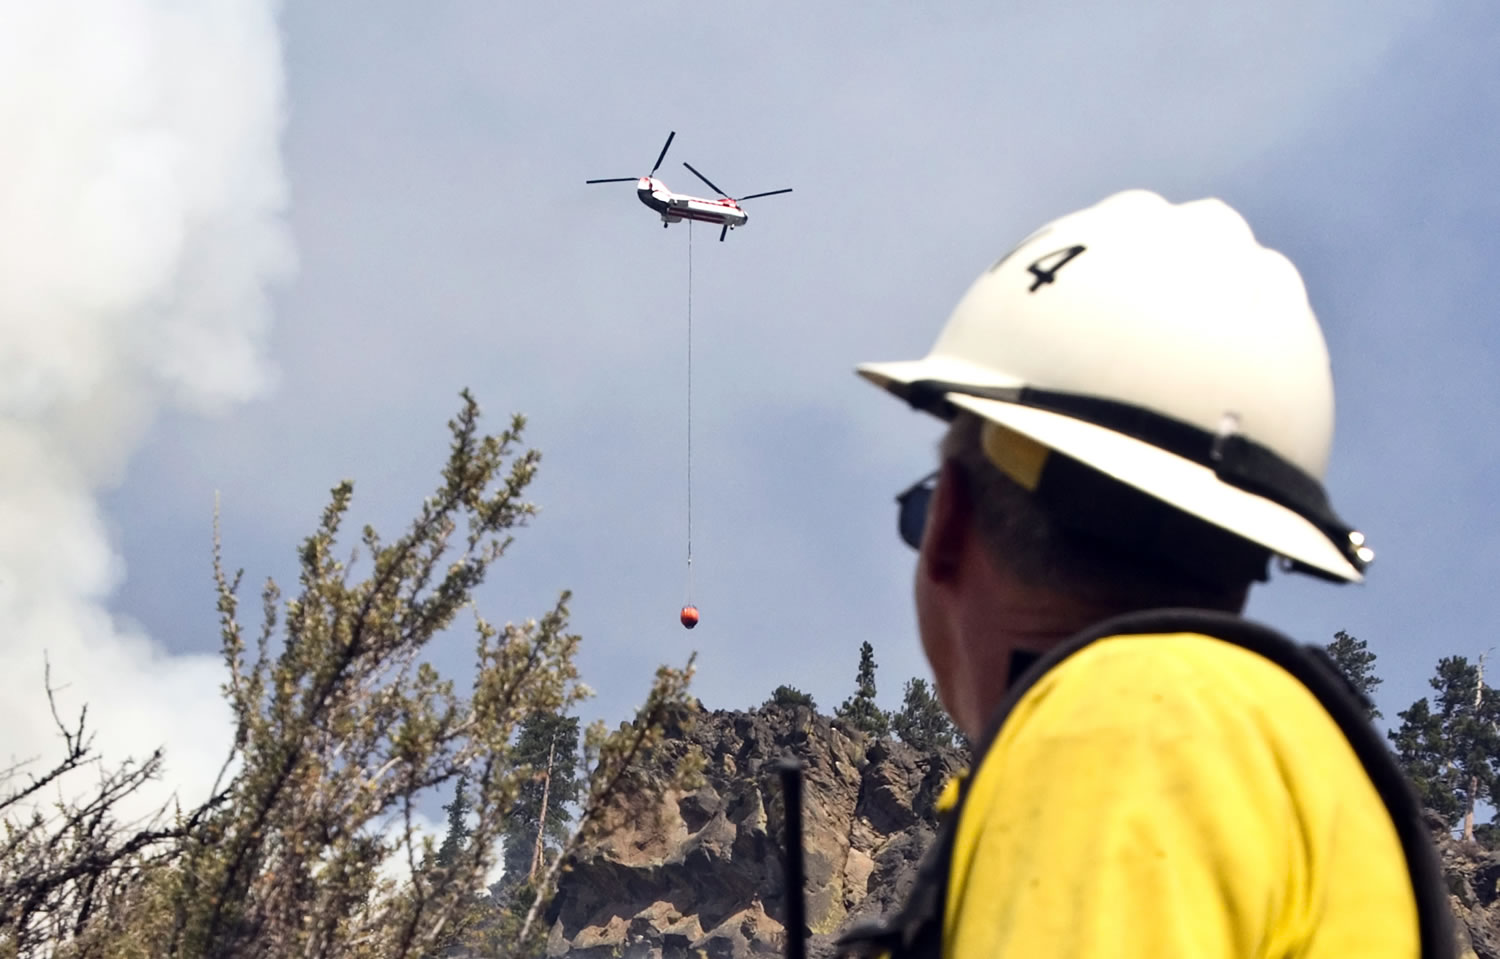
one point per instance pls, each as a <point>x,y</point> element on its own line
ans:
<point>701,873</point>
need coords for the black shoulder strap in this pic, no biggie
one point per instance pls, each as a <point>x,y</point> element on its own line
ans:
<point>916,929</point>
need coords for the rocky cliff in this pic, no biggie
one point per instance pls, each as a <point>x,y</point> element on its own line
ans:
<point>1473,875</point>
<point>701,873</point>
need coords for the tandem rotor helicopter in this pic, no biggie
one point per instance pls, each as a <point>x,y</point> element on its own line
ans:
<point>676,207</point>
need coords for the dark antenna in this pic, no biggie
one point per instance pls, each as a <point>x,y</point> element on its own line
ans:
<point>796,904</point>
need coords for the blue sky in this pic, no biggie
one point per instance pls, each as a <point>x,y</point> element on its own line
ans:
<point>438,235</point>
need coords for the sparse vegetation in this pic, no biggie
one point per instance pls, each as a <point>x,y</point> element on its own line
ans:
<point>308,844</point>
<point>791,696</point>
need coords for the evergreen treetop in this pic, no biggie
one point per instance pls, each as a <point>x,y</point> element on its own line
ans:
<point>860,710</point>
<point>457,837</point>
<point>1354,659</point>
<point>922,721</point>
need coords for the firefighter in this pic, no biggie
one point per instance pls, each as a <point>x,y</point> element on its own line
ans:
<point>1140,413</point>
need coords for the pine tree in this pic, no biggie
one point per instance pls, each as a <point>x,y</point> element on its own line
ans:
<point>860,710</point>
<point>548,743</point>
<point>1423,754</point>
<point>1354,659</point>
<point>1450,750</point>
<point>457,836</point>
<point>791,696</point>
<point>922,722</point>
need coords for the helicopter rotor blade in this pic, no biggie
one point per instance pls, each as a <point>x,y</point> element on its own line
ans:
<point>617,179</point>
<point>754,195</point>
<point>663,154</point>
<point>705,180</point>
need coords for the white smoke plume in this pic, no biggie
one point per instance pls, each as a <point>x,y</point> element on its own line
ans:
<point>141,201</point>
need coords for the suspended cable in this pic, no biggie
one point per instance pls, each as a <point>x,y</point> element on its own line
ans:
<point>689,611</point>
<point>690,408</point>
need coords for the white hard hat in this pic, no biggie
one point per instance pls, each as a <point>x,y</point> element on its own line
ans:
<point>1163,346</point>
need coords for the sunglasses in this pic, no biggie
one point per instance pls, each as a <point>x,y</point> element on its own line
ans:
<point>912,503</point>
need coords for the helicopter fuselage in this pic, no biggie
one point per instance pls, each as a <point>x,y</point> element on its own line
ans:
<point>675,207</point>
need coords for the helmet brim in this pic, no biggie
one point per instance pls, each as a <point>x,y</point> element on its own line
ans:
<point>1189,486</point>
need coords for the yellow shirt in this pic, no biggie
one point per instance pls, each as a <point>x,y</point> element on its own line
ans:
<point>1175,796</point>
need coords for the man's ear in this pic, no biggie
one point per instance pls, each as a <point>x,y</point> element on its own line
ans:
<point>950,522</point>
